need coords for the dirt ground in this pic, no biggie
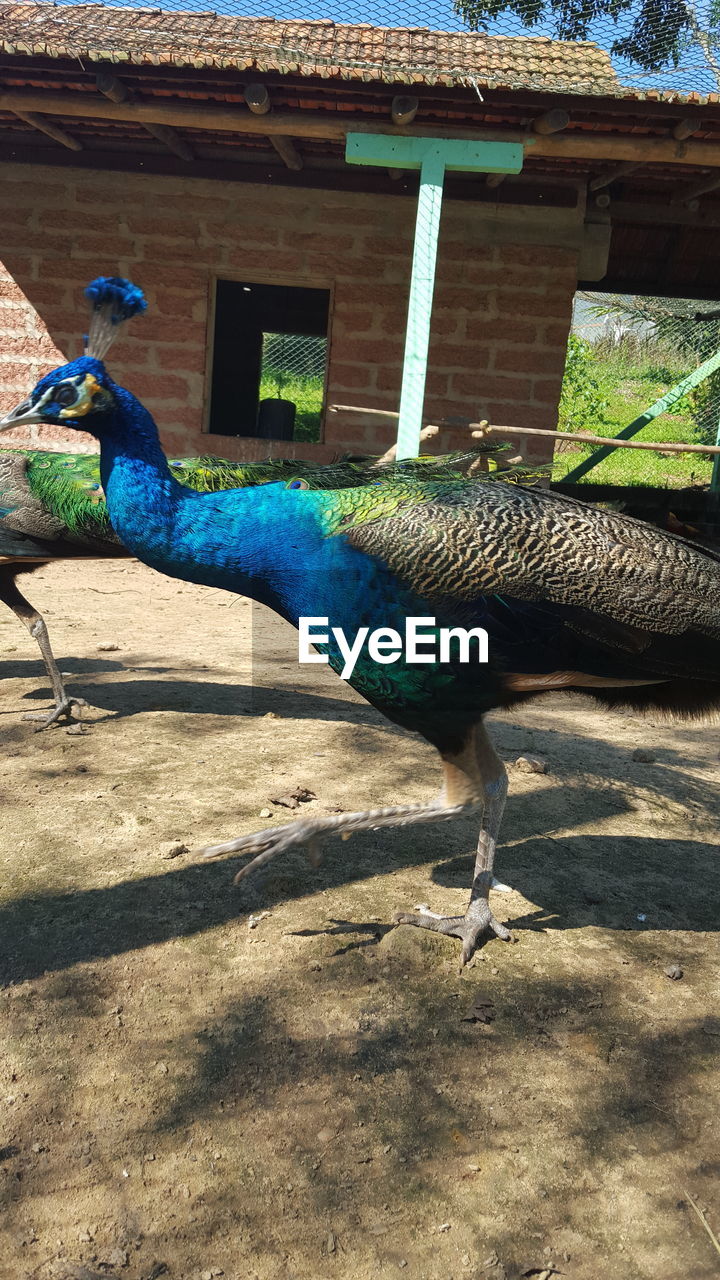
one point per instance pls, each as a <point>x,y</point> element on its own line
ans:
<point>269,1083</point>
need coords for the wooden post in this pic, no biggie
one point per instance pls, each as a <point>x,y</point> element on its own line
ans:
<point>433,156</point>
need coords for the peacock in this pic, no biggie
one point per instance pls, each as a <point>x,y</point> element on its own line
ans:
<point>567,596</point>
<point>52,507</point>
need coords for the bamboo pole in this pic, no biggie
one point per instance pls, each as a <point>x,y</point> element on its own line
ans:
<point>480,430</point>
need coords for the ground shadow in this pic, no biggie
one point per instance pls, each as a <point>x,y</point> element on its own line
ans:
<point>53,931</point>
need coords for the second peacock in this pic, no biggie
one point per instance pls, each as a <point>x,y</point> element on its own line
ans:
<point>570,597</point>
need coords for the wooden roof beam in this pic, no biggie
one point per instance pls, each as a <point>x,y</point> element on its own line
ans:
<point>691,194</point>
<point>612,175</point>
<point>43,125</point>
<point>685,129</point>
<point>403,110</point>
<point>258,100</point>
<point>115,91</point>
<point>553,121</point>
<point>334,127</point>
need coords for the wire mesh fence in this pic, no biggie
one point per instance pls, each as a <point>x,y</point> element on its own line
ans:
<point>625,354</point>
<point>293,370</point>
<point>671,45</point>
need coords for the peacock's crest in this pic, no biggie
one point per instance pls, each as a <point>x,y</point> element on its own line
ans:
<point>114,300</point>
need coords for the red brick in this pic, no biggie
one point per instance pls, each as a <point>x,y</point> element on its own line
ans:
<point>479,384</point>
<point>33,193</point>
<point>515,330</point>
<point>182,359</point>
<point>549,303</point>
<point>158,386</point>
<point>350,375</point>
<point>530,359</point>
<point>455,298</point>
<point>389,378</point>
<point>388,246</point>
<point>376,351</point>
<point>281,261</point>
<point>547,390</point>
<point>556,335</point>
<point>456,355</point>
<point>70,220</point>
<point>327,244</point>
<point>168,330</point>
<point>234,232</point>
<point>356,321</point>
<point>517,415</point>
<point>536,256</point>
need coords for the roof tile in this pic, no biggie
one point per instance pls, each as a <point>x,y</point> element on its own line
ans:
<point>319,48</point>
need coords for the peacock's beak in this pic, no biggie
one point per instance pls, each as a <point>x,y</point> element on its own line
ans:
<point>22,415</point>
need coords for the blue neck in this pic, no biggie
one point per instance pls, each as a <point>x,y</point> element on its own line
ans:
<point>212,538</point>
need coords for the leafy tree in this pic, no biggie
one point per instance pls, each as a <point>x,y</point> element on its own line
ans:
<point>658,31</point>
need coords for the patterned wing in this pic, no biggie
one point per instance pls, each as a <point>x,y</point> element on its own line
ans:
<point>462,542</point>
<point>55,497</point>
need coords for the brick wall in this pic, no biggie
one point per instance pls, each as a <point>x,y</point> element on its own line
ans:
<point>500,322</point>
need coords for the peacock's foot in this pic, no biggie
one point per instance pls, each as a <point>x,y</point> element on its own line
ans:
<point>268,844</point>
<point>468,928</point>
<point>64,707</point>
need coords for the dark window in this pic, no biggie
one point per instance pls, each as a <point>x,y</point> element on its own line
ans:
<point>269,358</point>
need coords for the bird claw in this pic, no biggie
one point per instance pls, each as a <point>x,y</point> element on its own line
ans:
<point>268,844</point>
<point>468,928</point>
<point>65,707</point>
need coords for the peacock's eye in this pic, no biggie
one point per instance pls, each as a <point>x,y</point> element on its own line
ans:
<point>66,394</point>
<point>297,484</point>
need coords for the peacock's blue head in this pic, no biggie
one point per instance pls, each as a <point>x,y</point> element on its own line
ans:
<point>80,394</point>
<point>74,395</point>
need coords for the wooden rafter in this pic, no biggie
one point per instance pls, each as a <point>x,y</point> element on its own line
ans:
<point>553,121</point>
<point>43,125</point>
<point>579,145</point>
<point>403,110</point>
<point>118,93</point>
<point>258,100</point>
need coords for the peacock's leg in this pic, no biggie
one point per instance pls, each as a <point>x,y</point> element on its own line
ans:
<point>478,918</point>
<point>461,794</point>
<point>35,623</point>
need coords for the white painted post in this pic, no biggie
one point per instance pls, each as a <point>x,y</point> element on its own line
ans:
<point>422,284</point>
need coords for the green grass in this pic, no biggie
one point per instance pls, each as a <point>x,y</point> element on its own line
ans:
<point>306,392</point>
<point>629,388</point>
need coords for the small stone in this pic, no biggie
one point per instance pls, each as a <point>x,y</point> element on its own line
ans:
<point>444,1226</point>
<point>265,813</point>
<point>118,1258</point>
<point>643,756</point>
<point>206,1275</point>
<point>531,764</point>
<point>37,1147</point>
<point>331,1242</point>
<point>673,971</point>
<point>76,730</point>
<point>172,849</point>
<point>107,648</point>
<point>161,1068</point>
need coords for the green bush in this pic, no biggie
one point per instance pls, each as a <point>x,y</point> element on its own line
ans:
<point>582,403</point>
